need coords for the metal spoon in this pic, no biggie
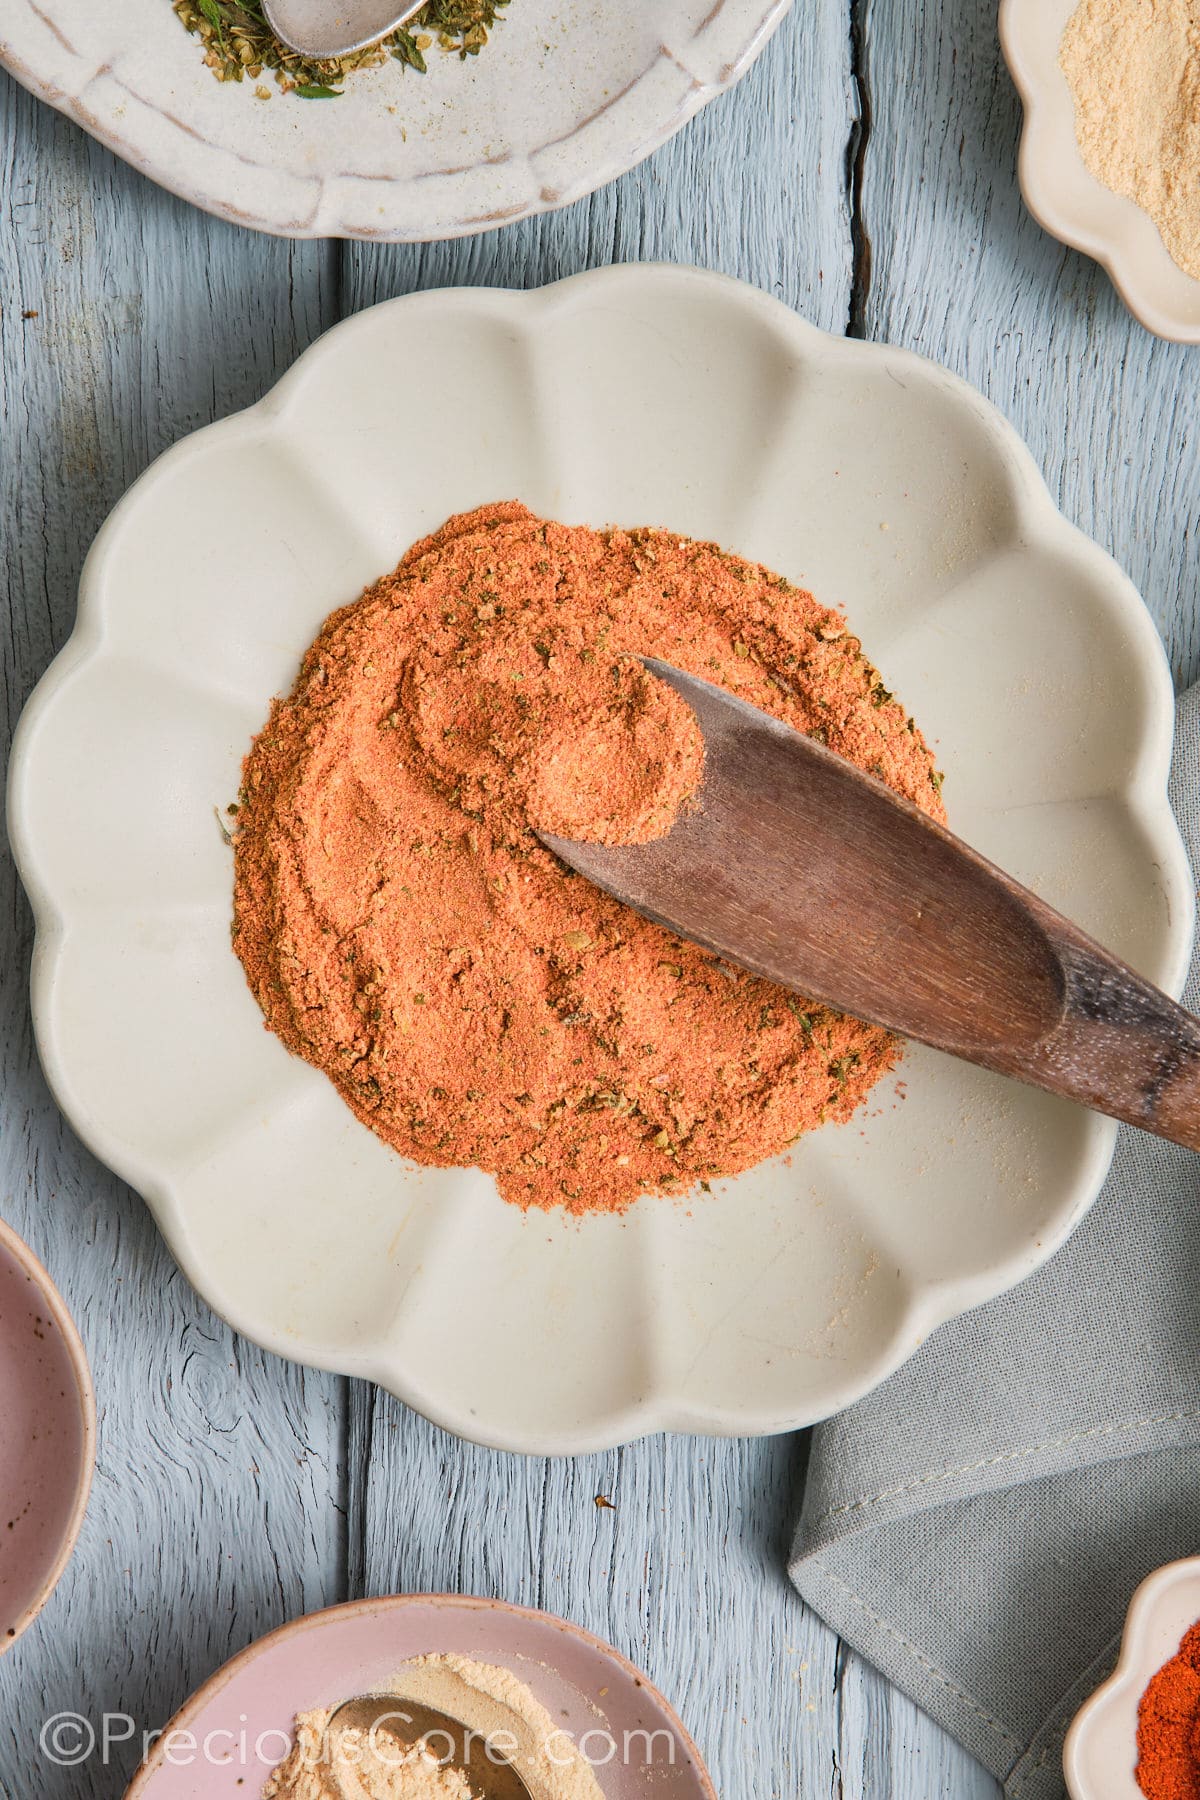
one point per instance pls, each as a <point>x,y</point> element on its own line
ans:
<point>453,1744</point>
<point>327,29</point>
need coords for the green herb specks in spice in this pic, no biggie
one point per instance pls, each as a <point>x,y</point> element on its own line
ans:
<point>239,44</point>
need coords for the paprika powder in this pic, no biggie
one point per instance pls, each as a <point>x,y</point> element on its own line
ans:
<point>1168,1734</point>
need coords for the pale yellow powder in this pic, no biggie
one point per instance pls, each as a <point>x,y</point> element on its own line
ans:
<point>353,1765</point>
<point>491,1700</point>
<point>1134,70</point>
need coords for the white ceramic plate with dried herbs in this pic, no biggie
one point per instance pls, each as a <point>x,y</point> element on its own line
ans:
<point>633,395</point>
<point>1067,199</point>
<point>561,99</point>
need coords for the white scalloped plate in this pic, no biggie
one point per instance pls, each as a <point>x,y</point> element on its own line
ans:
<point>635,395</point>
<point>1100,1753</point>
<point>565,97</point>
<point>1066,198</point>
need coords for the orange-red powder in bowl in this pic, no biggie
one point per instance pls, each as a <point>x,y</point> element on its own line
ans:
<point>1168,1733</point>
<point>405,930</point>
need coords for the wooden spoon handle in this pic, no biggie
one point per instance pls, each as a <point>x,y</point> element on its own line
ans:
<point>813,874</point>
<point>1121,1046</point>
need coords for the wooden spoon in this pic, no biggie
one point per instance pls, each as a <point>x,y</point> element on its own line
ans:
<point>803,869</point>
<point>327,29</point>
<point>450,1743</point>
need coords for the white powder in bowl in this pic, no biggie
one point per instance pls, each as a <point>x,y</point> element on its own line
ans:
<point>1134,69</point>
<point>494,1702</point>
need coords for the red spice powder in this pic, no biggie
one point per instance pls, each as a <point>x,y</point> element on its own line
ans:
<point>404,929</point>
<point>1168,1737</point>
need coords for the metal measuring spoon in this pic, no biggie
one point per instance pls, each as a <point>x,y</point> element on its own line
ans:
<point>453,1744</point>
<point>327,29</point>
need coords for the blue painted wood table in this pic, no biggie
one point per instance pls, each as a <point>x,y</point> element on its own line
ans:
<point>864,173</point>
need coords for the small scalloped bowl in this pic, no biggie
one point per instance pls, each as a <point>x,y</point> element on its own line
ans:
<point>47,1436</point>
<point>1100,1753</point>
<point>633,395</point>
<point>1067,199</point>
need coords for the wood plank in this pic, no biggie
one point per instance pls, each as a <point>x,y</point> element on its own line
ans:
<point>214,1514</point>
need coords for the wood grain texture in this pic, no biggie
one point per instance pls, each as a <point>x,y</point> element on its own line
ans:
<point>234,1491</point>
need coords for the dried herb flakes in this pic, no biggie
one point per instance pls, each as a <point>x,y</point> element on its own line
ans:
<point>239,44</point>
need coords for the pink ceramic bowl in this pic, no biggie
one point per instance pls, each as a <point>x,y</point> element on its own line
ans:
<point>228,1738</point>
<point>47,1436</point>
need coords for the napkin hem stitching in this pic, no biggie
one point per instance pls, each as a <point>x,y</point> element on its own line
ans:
<point>1021,1777</point>
<point>1055,1726</point>
<point>934,1476</point>
<point>1010,1741</point>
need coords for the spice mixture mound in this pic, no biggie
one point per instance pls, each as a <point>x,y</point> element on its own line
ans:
<point>405,930</point>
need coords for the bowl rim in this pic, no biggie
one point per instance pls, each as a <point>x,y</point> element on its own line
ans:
<point>386,1603</point>
<point>763,19</point>
<point>929,1304</point>
<point>15,1246</point>
<point>1136,272</point>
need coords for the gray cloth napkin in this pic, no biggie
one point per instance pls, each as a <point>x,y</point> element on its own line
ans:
<point>976,1526</point>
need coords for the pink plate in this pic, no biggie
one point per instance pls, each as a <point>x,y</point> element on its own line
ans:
<point>230,1735</point>
<point>47,1436</point>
